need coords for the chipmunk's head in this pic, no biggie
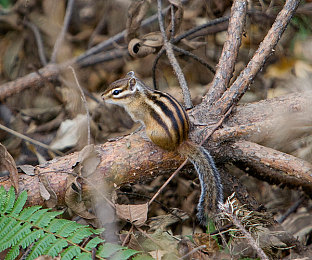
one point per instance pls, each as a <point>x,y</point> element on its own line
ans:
<point>122,91</point>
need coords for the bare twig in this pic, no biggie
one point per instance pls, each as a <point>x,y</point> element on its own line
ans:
<point>38,38</point>
<point>183,36</point>
<point>24,137</point>
<point>159,54</point>
<point>172,22</point>
<point>292,209</point>
<point>193,56</point>
<point>187,256</point>
<point>240,85</point>
<point>167,181</point>
<point>173,61</point>
<point>227,210</point>
<point>229,53</point>
<point>103,57</point>
<point>200,27</point>
<point>60,38</point>
<point>84,100</point>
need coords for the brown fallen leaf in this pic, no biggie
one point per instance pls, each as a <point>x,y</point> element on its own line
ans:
<point>211,244</point>
<point>136,13</point>
<point>7,162</point>
<point>135,214</point>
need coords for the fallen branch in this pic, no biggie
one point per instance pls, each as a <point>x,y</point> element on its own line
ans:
<point>133,158</point>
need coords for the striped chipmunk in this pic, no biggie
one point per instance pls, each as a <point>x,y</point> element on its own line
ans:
<point>167,125</point>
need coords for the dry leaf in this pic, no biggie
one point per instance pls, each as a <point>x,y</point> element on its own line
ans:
<point>7,162</point>
<point>86,165</point>
<point>163,221</point>
<point>136,13</point>
<point>153,39</point>
<point>46,191</point>
<point>70,133</point>
<point>73,198</point>
<point>89,159</point>
<point>185,246</point>
<point>27,169</point>
<point>135,214</point>
<point>149,44</point>
<point>178,17</point>
<point>205,239</point>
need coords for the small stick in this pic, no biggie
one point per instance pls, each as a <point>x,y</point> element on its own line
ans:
<point>128,235</point>
<point>19,135</point>
<point>250,239</point>
<point>186,256</point>
<point>188,53</point>
<point>84,100</point>
<point>173,61</point>
<point>60,38</point>
<point>167,181</point>
<point>229,53</point>
<point>293,208</point>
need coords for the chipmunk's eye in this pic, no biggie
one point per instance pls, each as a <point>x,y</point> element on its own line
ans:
<point>116,92</point>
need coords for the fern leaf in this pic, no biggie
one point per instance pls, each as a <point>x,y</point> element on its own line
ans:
<point>39,229</point>
<point>40,245</point>
<point>70,252</point>
<point>7,240</point>
<point>2,197</point>
<point>142,257</point>
<point>3,222</point>
<point>108,250</point>
<point>45,219</point>
<point>10,224</point>
<point>54,249</point>
<point>98,231</point>
<point>9,202</point>
<point>19,204</point>
<point>34,217</point>
<point>27,240</point>
<point>63,227</point>
<point>14,238</point>
<point>84,256</point>
<point>27,212</point>
<point>57,224</point>
<point>124,254</point>
<point>93,243</point>
<point>12,254</point>
<point>80,234</point>
<point>24,242</point>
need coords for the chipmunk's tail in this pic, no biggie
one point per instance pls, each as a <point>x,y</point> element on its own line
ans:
<point>211,188</point>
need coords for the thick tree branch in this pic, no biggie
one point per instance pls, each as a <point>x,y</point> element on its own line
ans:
<point>133,158</point>
<point>229,53</point>
<point>240,85</point>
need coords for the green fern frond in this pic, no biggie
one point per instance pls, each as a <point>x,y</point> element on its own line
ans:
<point>19,203</point>
<point>54,249</point>
<point>2,197</point>
<point>41,233</point>
<point>70,253</point>
<point>108,250</point>
<point>9,202</point>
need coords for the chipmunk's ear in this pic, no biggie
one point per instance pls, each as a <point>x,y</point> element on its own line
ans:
<point>132,83</point>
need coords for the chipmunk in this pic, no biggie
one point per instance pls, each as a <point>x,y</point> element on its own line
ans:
<point>167,125</point>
